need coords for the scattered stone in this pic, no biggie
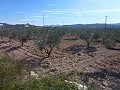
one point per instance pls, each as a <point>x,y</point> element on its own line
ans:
<point>53,69</point>
<point>91,55</point>
<point>105,83</point>
<point>80,54</point>
<point>103,87</point>
<point>33,74</point>
<point>79,86</point>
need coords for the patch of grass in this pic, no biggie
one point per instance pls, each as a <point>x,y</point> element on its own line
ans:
<point>72,72</point>
<point>93,86</point>
<point>84,78</point>
<point>45,65</point>
<point>10,74</point>
<point>49,82</point>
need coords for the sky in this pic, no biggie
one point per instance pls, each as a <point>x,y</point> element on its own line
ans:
<point>59,11</point>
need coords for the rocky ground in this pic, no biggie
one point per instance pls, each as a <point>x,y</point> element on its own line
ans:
<point>102,65</point>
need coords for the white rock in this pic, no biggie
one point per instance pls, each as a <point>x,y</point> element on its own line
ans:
<point>79,86</point>
<point>33,74</point>
<point>66,81</point>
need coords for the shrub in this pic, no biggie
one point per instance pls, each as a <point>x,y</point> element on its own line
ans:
<point>11,79</point>
<point>109,43</point>
<point>49,82</point>
<point>10,74</point>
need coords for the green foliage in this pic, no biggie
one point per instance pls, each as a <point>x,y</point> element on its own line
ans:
<point>49,82</point>
<point>10,74</point>
<point>44,65</point>
<point>109,43</point>
<point>110,38</point>
<point>23,39</point>
<point>48,39</point>
<point>92,86</point>
<point>11,78</point>
<point>117,35</point>
<point>84,77</point>
<point>88,35</point>
<point>86,80</point>
<point>72,72</point>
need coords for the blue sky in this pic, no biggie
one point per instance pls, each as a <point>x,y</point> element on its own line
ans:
<point>59,11</point>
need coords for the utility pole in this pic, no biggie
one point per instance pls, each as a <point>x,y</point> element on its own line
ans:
<point>43,21</point>
<point>105,35</point>
<point>33,22</point>
<point>105,22</point>
<point>63,23</point>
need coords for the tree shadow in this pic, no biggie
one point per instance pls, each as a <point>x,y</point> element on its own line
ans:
<point>32,62</point>
<point>74,49</point>
<point>102,74</point>
<point>117,49</point>
<point>71,39</point>
<point>1,42</point>
<point>5,47</point>
<point>112,77</point>
<point>90,50</point>
<point>13,48</point>
<point>115,85</point>
<point>77,48</point>
<point>25,49</point>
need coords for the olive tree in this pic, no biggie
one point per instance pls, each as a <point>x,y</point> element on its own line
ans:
<point>48,40</point>
<point>1,33</point>
<point>111,37</point>
<point>88,35</point>
<point>117,35</point>
<point>20,35</point>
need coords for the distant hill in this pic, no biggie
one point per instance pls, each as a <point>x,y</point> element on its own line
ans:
<point>117,25</point>
<point>16,25</point>
<point>97,25</point>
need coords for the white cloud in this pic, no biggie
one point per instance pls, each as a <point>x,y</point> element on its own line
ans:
<point>83,8</point>
<point>50,4</point>
<point>56,11</point>
<point>46,11</point>
<point>21,12</point>
<point>79,13</point>
<point>36,16</point>
<point>102,11</point>
<point>101,0</point>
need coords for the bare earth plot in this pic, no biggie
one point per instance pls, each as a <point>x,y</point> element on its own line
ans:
<point>102,65</point>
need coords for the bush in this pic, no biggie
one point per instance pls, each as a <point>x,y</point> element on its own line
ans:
<point>109,43</point>
<point>11,78</point>
<point>49,82</point>
<point>10,74</point>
